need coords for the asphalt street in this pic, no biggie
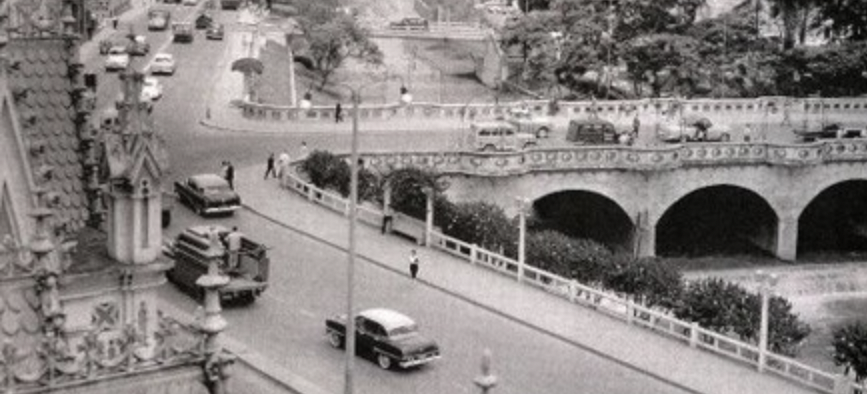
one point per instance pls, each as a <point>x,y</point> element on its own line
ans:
<point>287,323</point>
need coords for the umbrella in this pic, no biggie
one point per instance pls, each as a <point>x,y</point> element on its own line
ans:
<point>248,65</point>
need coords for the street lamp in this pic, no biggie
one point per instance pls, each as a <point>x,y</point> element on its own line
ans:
<point>766,288</point>
<point>523,206</point>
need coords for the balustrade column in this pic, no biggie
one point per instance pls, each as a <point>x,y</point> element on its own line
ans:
<point>787,238</point>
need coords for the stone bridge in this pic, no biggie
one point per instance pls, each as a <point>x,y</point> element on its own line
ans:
<point>780,198</point>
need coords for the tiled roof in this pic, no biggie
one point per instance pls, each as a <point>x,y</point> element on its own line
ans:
<point>40,82</point>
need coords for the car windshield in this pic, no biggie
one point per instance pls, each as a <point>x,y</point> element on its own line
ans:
<point>403,331</point>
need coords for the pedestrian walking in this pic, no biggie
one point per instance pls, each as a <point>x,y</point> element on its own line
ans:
<point>282,163</point>
<point>748,133</point>
<point>387,219</point>
<point>114,22</point>
<point>636,125</point>
<point>224,170</point>
<point>413,264</point>
<point>338,113</point>
<point>269,166</point>
<point>304,151</point>
<point>233,244</point>
<point>230,175</point>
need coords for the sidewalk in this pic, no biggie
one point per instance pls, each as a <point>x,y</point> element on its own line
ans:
<point>670,361</point>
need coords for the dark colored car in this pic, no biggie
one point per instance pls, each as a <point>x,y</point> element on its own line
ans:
<point>830,131</point>
<point>215,32</point>
<point>207,194</point>
<point>591,132</point>
<point>409,24</point>
<point>389,337</point>
<point>139,46</point>
<point>182,32</point>
<point>203,21</point>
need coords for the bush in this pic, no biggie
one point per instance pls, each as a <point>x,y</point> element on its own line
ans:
<point>327,171</point>
<point>581,259</point>
<point>850,348</point>
<point>728,308</point>
<point>651,282</point>
<point>407,190</point>
<point>481,223</point>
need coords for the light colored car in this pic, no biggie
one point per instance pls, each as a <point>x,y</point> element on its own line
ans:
<point>498,135</point>
<point>189,2</point>
<point>152,89</point>
<point>528,122</point>
<point>691,129</point>
<point>118,58</point>
<point>164,63</point>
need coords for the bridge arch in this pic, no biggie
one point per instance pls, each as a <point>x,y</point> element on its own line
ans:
<point>833,220</point>
<point>717,219</point>
<point>584,213</point>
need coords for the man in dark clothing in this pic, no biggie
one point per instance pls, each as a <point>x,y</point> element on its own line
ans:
<point>230,175</point>
<point>269,169</point>
<point>338,113</point>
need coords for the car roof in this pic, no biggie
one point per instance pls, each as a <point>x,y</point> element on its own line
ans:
<point>202,230</point>
<point>590,121</point>
<point>164,56</point>
<point>208,180</point>
<point>388,318</point>
<point>492,123</point>
<point>116,48</point>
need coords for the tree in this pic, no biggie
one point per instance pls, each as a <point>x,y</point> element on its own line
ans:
<point>481,223</point>
<point>652,282</point>
<point>794,14</point>
<point>665,62</point>
<point>407,188</point>
<point>850,348</point>
<point>842,19</point>
<point>334,41</point>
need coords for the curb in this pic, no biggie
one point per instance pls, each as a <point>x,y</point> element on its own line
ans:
<point>486,307</point>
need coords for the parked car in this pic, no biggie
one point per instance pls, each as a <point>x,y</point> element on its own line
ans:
<point>215,32</point>
<point>164,63</point>
<point>498,135</point>
<point>690,129</point>
<point>390,337</point>
<point>159,19</point>
<point>118,58</point>
<point>139,46</point>
<point>189,2</point>
<point>592,131</point>
<point>528,122</point>
<point>207,194</point>
<point>230,4</point>
<point>182,32</point>
<point>829,131</point>
<point>151,89</point>
<point>203,21</point>
<point>409,24</point>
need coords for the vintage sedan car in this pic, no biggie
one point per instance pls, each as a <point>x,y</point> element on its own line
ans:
<point>159,19</point>
<point>215,32</point>
<point>390,337</point>
<point>527,122</point>
<point>152,89</point>
<point>692,129</point>
<point>208,194</point>
<point>204,21</point>
<point>829,131</point>
<point>139,46</point>
<point>118,58</point>
<point>189,2</point>
<point>164,63</point>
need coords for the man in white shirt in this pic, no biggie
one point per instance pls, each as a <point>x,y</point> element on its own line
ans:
<point>233,244</point>
<point>282,163</point>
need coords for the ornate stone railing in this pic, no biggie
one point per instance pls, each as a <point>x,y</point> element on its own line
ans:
<point>623,157</point>
<point>600,300</point>
<point>726,111</point>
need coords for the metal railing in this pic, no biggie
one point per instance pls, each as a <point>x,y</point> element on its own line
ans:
<point>603,301</point>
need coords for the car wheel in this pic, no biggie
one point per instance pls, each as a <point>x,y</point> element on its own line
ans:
<point>383,361</point>
<point>335,339</point>
<point>725,137</point>
<point>542,133</point>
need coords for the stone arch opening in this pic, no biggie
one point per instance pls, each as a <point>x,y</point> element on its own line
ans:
<point>584,214</point>
<point>717,220</point>
<point>835,221</point>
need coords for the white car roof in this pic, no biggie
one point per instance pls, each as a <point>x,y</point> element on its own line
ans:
<point>161,56</point>
<point>117,48</point>
<point>388,318</point>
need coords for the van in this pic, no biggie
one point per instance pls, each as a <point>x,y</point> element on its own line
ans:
<point>591,132</point>
<point>498,136</point>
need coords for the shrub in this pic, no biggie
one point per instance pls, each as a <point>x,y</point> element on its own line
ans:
<point>481,223</point>
<point>327,171</point>
<point>652,282</point>
<point>407,190</point>
<point>850,348</point>
<point>580,259</point>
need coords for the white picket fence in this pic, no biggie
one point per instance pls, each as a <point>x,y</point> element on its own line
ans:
<point>602,301</point>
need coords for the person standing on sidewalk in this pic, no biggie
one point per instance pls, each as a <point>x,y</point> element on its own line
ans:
<point>233,244</point>
<point>338,113</point>
<point>413,264</point>
<point>269,167</point>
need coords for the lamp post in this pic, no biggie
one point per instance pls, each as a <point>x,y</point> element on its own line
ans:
<point>766,287</point>
<point>523,206</point>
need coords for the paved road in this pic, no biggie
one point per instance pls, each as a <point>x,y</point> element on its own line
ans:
<point>287,325</point>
